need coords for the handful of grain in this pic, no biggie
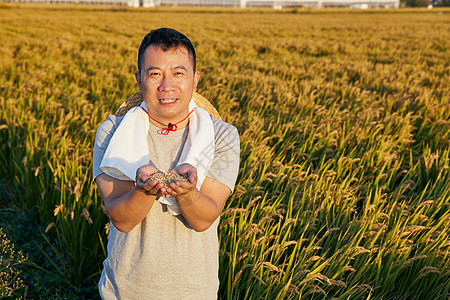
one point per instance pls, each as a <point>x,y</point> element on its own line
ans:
<point>166,178</point>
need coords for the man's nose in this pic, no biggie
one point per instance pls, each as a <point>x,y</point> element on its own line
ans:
<point>166,84</point>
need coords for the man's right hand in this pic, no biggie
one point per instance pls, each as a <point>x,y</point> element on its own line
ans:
<point>150,188</point>
<point>127,203</point>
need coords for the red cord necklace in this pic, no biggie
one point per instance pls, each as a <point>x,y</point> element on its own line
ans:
<point>168,127</point>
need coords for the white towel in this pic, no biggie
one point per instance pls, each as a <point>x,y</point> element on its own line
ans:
<point>128,148</point>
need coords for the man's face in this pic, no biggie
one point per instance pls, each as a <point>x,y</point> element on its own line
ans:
<point>167,81</point>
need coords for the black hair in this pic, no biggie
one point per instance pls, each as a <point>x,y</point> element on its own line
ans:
<point>165,39</point>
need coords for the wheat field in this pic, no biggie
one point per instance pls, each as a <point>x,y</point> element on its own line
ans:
<point>344,118</point>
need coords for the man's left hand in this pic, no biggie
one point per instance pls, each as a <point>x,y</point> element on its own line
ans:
<point>182,188</point>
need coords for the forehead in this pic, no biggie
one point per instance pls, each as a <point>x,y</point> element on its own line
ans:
<point>156,56</point>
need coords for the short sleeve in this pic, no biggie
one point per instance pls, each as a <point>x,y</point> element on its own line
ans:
<point>225,165</point>
<point>104,133</point>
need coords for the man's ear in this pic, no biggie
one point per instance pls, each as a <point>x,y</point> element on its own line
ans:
<point>137,75</point>
<point>196,79</point>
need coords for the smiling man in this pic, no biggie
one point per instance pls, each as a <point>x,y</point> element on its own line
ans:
<point>163,240</point>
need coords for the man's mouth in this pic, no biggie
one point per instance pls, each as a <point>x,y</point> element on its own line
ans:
<point>167,100</point>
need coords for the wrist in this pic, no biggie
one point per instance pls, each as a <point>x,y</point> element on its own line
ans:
<point>188,198</point>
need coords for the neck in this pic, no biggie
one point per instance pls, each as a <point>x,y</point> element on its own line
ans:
<point>158,123</point>
<point>169,126</point>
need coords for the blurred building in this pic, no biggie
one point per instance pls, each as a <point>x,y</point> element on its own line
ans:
<point>276,4</point>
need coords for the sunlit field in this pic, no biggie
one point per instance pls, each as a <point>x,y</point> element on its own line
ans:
<point>344,118</point>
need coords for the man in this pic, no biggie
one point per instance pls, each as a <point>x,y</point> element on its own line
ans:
<point>163,241</point>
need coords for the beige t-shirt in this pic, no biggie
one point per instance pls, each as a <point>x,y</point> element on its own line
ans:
<point>163,257</point>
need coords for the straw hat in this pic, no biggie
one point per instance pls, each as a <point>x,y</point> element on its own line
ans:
<point>136,99</point>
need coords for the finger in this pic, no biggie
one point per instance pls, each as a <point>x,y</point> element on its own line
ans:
<point>192,178</point>
<point>192,174</point>
<point>151,188</point>
<point>172,189</point>
<point>161,192</point>
<point>179,172</point>
<point>180,188</point>
<point>175,190</point>
<point>141,184</point>
<point>158,190</point>
<point>146,171</point>
<point>148,184</point>
<point>143,177</point>
<point>156,186</point>
<point>170,193</point>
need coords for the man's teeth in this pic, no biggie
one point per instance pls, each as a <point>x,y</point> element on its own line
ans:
<point>167,100</point>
